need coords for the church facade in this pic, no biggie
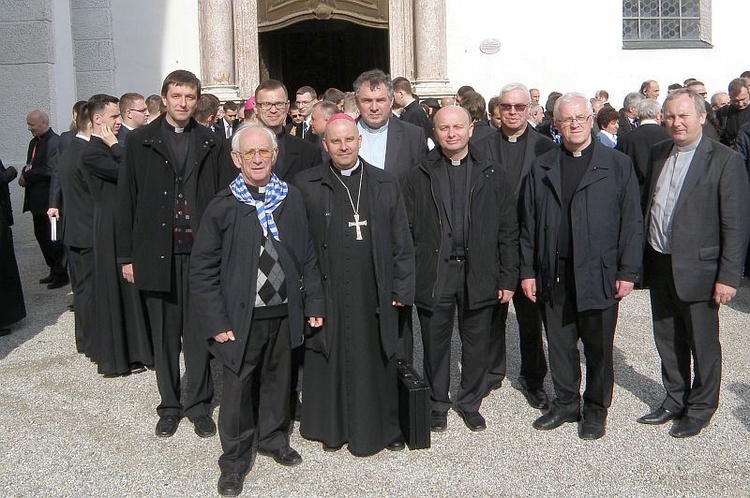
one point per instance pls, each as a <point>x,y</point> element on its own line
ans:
<point>58,51</point>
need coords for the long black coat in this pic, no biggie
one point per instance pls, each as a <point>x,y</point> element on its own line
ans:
<point>146,192</point>
<point>12,307</point>
<point>78,212</point>
<point>637,144</point>
<point>39,176</point>
<point>391,245</point>
<point>605,218</point>
<point>492,252</point>
<point>224,268</point>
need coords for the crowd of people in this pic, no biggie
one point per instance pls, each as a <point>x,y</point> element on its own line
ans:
<point>287,239</point>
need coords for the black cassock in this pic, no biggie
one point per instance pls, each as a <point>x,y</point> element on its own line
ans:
<point>351,396</point>
<point>12,306</point>
<point>120,337</point>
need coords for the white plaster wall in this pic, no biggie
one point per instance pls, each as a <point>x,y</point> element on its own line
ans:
<point>63,72</point>
<point>151,39</point>
<point>577,46</point>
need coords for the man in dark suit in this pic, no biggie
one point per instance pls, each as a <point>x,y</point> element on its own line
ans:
<point>637,144</point>
<point>477,107</point>
<point>77,228</point>
<point>41,162</point>
<point>731,117</point>
<point>466,249</point>
<point>514,147</point>
<point>629,113</point>
<point>393,145</point>
<point>11,294</point>
<point>134,114</point>
<point>295,154</point>
<point>697,235</point>
<point>413,112</point>
<point>305,98</point>
<point>581,250</point>
<point>172,169</point>
<point>227,125</point>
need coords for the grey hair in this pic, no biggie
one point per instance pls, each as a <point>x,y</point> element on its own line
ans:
<point>700,104</point>
<point>568,98</point>
<point>632,100</point>
<point>648,109</point>
<point>373,78</point>
<point>511,87</point>
<point>237,136</point>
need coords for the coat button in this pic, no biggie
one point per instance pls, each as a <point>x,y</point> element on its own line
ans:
<point>165,192</point>
<point>163,224</point>
<point>445,260</point>
<point>325,246</point>
<point>161,257</point>
<point>242,305</point>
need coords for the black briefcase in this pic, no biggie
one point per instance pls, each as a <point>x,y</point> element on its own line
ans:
<point>413,408</point>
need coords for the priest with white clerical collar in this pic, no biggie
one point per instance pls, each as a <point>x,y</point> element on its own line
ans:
<point>359,226</point>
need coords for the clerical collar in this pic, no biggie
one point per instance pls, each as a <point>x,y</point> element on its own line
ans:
<point>584,152</point>
<point>255,190</point>
<point>128,127</point>
<point>83,137</point>
<point>648,121</point>
<point>691,147</point>
<point>453,162</point>
<point>348,172</point>
<point>514,139</point>
<point>176,129</point>
<point>373,131</point>
<point>96,135</point>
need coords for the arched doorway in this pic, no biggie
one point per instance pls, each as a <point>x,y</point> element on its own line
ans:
<point>321,53</point>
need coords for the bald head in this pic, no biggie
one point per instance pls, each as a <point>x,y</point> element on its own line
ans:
<point>37,122</point>
<point>453,129</point>
<point>342,141</point>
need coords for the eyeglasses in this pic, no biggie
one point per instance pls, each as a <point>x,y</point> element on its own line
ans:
<point>144,110</point>
<point>267,105</point>
<point>569,121</point>
<point>250,154</point>
<point>304,102</point>
<point>517,107</point>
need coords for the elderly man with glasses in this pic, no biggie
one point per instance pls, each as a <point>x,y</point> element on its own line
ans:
<point>581,248</point>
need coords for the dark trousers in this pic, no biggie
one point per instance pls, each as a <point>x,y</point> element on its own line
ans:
<point>533,362</point>
<point>81,263</point>
<point>256,399</point>
<point>52,250</point>
<point>565,326</point>
<point>171,331</point>
<point>437,330</point>
<point>684,332</point>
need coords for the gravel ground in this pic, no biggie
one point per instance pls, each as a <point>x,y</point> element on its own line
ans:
<point>66,431</point>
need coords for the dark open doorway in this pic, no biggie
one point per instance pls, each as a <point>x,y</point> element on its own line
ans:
<point>322,54</point>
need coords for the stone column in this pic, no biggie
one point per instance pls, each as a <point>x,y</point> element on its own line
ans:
<point>401,39</point>
<point>246,46</point>
<point>217,48</point>
<point>430,49</point>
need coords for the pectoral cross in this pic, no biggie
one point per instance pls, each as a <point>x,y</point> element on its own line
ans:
<point>358,225</point>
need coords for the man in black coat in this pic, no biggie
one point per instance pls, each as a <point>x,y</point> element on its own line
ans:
<point>581,249</point>
<point>730,118</point>
<point>413,112</point>
<point>463,220</point>
<point>638,143</point>
<point>697,236</point>
<point>295,154</point>
<point>514,147</point>
<point>78,228</point>
<point>629,113</point>
<point>41,161</point>
<point>11,294</point>
<point>254,279</point>
<point>172,169</point>
<point>393,145</point>
<point>366,257</point>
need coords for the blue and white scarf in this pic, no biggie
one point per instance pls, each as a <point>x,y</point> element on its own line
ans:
<point>275,193</point>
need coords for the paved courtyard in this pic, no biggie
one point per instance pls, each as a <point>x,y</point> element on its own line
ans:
<point>66,431</point>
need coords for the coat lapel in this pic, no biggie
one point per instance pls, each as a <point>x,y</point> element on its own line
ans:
<point>697,170</point>
<point>597,170</point>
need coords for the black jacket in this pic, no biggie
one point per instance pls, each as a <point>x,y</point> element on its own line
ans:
<point>605,219</point>
<point>492,241</point>
<point>392,247</point>
<point>38,177</point>
<point>224,267</point>
<point>146,192</point>
<point>6,211</point>
<point>78,213</point>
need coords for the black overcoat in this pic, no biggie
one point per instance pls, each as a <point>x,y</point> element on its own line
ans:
<point>392,246</point>
<point>224,268</point>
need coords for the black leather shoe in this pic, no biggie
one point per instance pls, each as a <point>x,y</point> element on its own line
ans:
<point>230,483</point>
<point>58,281</point>
<point>494,386</point>
<point>4,332</point>
<point>331,449</point>
<point>688,427</point>
<point>285,456</point>
<point>167,425</point>
<point>396,445</point>
<point>47,279</point>
<point>536,398</point>
<point>659,416</point>
<point>593,428</point>
<point>438,421</point>
<point>204,426</point>
<point>553,419</point>
<point>473,420</point>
